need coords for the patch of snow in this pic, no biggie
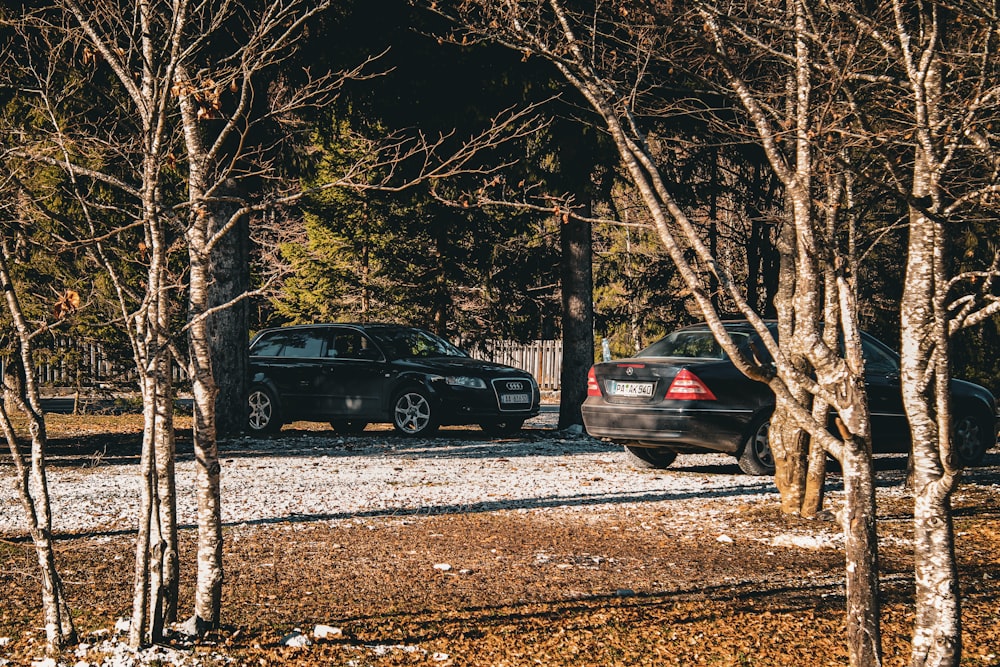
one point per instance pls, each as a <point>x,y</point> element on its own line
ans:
<point>327,632</point>
<point>807,541</point>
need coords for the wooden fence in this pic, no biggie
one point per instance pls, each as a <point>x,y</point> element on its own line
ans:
<point>541,358</point>
<point>86,364</point>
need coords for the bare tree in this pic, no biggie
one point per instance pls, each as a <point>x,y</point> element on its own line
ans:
<point>616,64</point>
<point>20,392</point>
<point>922,92</point>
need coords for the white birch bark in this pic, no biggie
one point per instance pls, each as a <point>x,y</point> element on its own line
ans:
<point>208,587</point>
<point>145,75</point>
<point>21,392</point>
<point>937,639</point>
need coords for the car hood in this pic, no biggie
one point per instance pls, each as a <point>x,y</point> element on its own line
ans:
<point>458,365</point>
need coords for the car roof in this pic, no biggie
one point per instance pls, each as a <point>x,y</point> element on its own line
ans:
<point>730,324</point>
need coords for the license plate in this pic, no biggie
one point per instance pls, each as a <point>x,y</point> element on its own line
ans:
<point>507,399</point>
<point>630,388</point>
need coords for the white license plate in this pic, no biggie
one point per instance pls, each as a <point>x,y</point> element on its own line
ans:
<point>630,388</point>
<point>507,399</point>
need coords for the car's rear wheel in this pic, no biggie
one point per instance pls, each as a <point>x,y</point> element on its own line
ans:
<point>650,457</point>
<point>970,438</point>
<point>506,427</point>
<point>264,415</point>
<point>413,414</point>
<point>348,426</point>
<point>756,457</point>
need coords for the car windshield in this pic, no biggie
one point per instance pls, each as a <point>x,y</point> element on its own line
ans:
<point>691,343</point>
<point>414,343</point>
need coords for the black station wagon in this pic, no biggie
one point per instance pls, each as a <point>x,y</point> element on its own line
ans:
<point>351,375</point>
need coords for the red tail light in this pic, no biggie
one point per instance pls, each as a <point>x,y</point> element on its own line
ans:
<point>593,389</point>
<point>687,387</point>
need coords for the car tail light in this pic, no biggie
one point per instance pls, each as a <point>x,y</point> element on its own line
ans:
<point>593,389</point>
<point>687,387</point>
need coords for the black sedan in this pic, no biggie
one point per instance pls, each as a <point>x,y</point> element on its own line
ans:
<point>354,374</point>
<point>683,394</point>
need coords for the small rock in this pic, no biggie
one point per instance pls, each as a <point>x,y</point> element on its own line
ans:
<point>295,639</point>
<point>725,539</point>
<point>625,593</point>
<point>443,567</point>
<point>440,657</point>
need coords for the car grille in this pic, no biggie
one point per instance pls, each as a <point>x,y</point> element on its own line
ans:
<point>513,394</point>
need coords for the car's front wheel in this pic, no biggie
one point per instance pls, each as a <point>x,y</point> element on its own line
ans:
<point>650,457</point>
<point>412,413</point>
<point>756,458</point>
<point>264,415</point>
<point>970,438</point>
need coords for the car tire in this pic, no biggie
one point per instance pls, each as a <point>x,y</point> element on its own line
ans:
<point>650,457</point>
<point>756,457</point>
<point>413,413</point>
<point>264,416</point>
<point>970,438</point>
<point>507,427</point>
<point>348,426</point>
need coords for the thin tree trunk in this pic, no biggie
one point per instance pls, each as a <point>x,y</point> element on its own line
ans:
<point>21,392</point>
<point>166,455</point>
<point>201,222</point>
<point>864,636</point>
<point>937,638</point>
<point>208,589</point>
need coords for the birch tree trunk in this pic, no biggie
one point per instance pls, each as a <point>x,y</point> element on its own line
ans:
<point>937,625</point>
<point>20,391</point>
<point>208,587</point>
<point>937,638</point>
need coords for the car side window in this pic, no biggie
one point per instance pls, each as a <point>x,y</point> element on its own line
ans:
<point>269,346</point>
<point>352,345</point>
<point>877,360</point>
<point>346,345</point>
<point>301,344</point>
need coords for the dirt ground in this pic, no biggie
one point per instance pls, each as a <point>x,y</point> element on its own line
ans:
<point>522,588</point>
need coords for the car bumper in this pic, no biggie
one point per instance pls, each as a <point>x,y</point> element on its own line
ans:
<point>680,429</point>
<point>473,406</point>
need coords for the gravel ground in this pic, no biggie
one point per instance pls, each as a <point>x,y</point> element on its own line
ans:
<point>315,475</point>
